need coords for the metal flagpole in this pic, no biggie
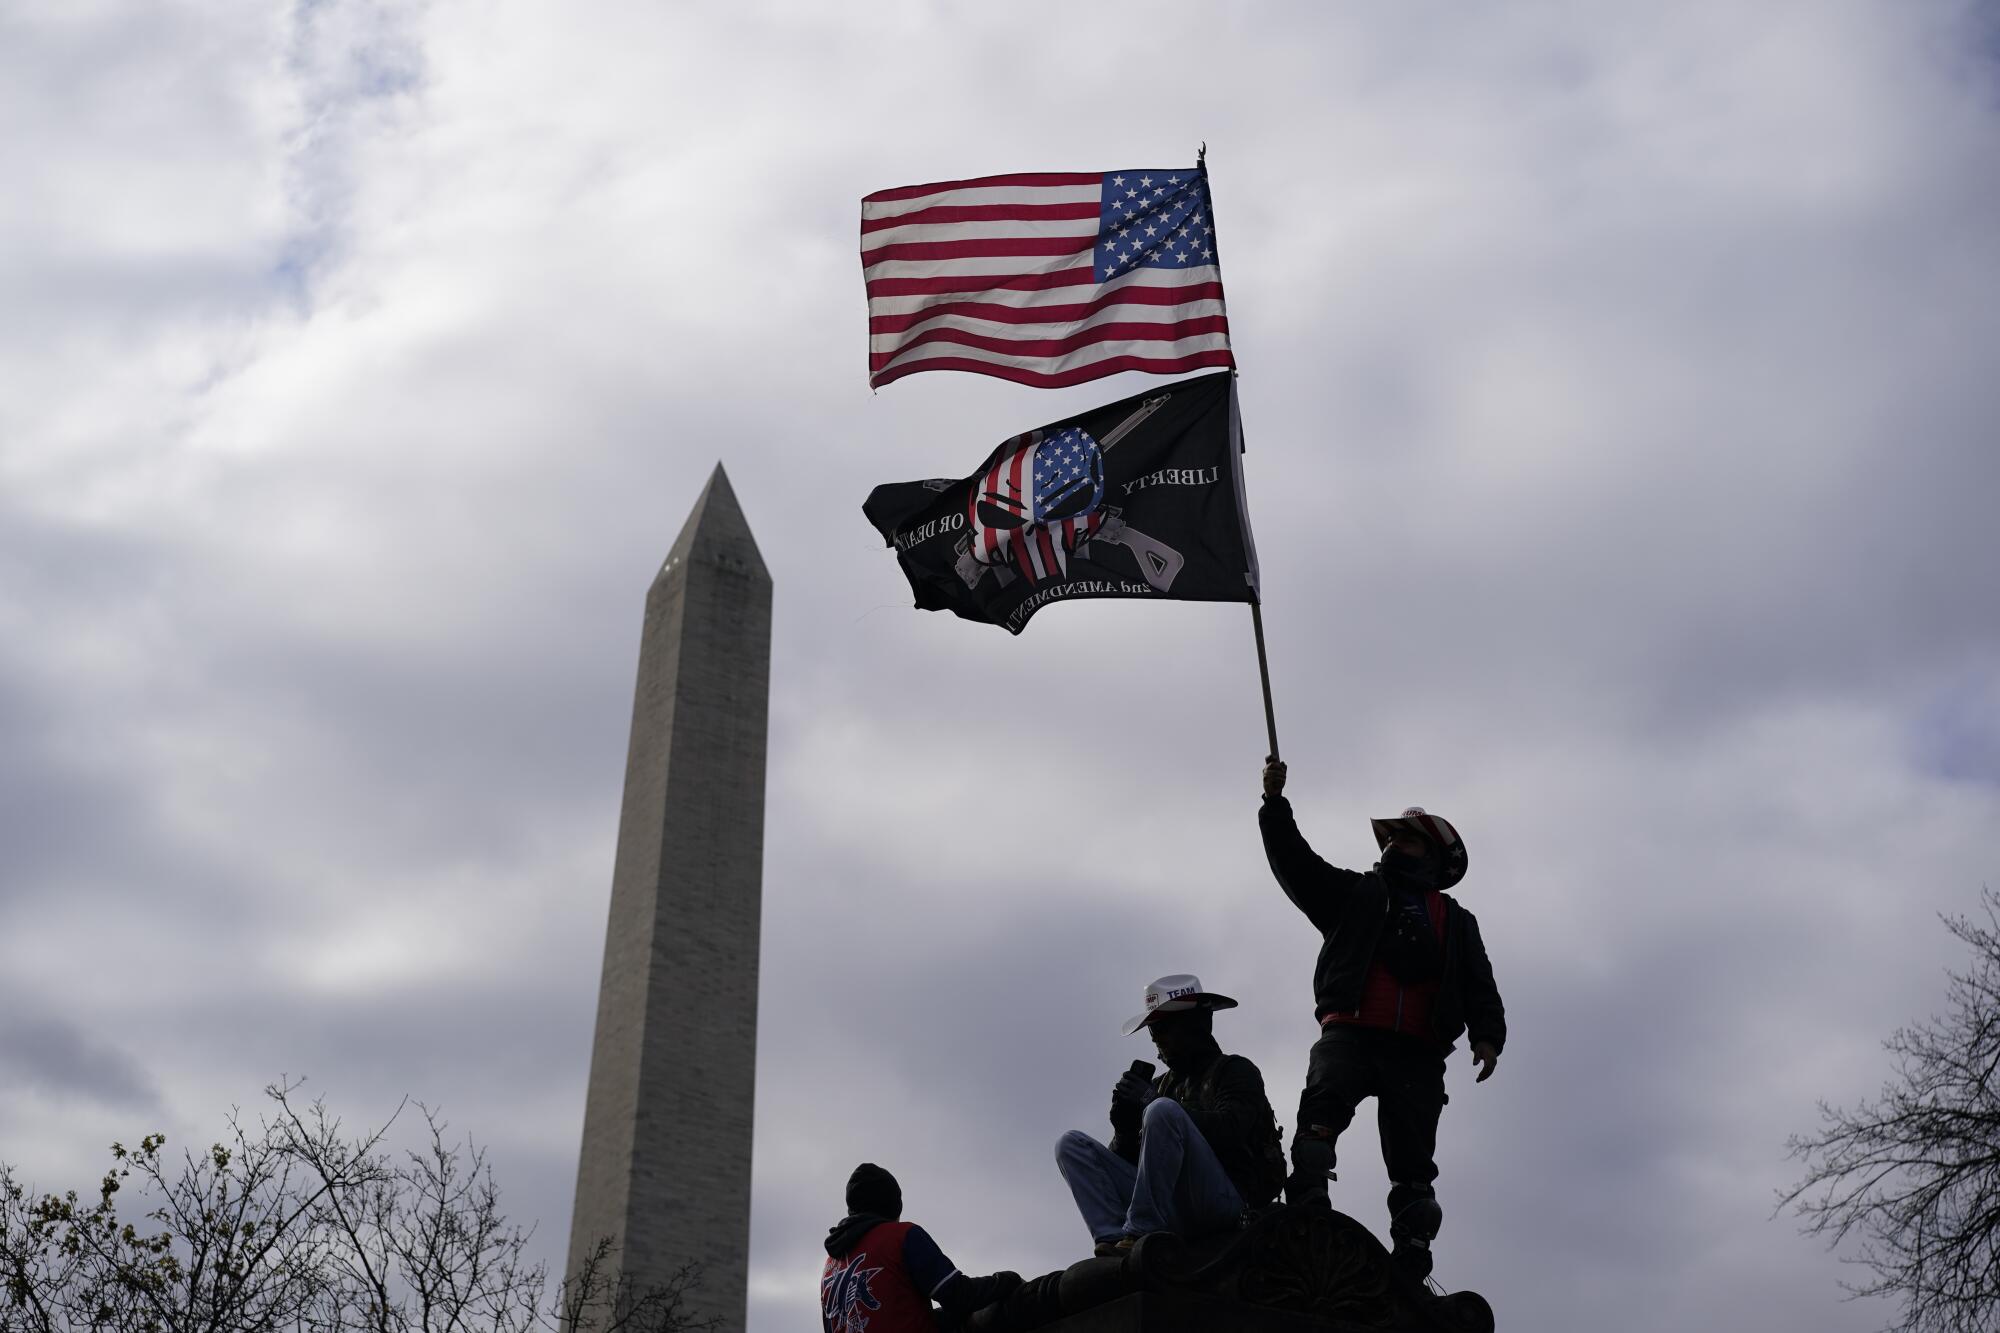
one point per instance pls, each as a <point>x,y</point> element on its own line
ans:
<point>1250,575</point>
<point>1264,674</point>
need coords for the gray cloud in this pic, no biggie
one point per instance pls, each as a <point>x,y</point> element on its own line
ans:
<point>51,1058</point>
<point>1618,406</point>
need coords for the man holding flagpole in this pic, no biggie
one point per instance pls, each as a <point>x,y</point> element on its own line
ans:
<point>1401,975</point>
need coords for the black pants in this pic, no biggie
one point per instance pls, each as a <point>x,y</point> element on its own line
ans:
<point>1404,1075</point>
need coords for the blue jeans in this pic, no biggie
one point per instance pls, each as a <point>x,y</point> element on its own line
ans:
<point>1178,1186</point>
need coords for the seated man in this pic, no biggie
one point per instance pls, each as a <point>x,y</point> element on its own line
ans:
<point>1192,1150</point>
<point>882,1273</point>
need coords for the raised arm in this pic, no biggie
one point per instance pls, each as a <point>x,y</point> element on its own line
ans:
<point>1314,887</point>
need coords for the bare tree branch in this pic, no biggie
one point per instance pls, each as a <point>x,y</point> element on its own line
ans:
<point>292,1226</point>
<point>1914,1176</point>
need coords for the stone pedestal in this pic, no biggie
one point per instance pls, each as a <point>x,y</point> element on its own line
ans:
<point>1293,1270</point>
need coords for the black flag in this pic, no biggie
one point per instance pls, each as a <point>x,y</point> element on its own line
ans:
<point>1141,498</point>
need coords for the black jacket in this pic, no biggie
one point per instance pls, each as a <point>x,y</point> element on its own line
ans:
<point>1224,1096</point>
<point>1349,907</point>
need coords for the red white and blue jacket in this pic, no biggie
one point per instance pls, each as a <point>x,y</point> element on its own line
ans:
<point>882,1279</point>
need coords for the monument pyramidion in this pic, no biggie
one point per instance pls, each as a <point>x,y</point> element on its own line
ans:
<point>664,1171</point>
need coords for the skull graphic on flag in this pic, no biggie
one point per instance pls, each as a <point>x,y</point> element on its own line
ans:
<point>1037,503</point>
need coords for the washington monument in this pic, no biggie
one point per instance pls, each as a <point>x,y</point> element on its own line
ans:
<point>665,1167</point>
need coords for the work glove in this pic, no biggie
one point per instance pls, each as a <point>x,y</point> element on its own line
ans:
<point>1134,1088</point>
<point>1128,1101</point>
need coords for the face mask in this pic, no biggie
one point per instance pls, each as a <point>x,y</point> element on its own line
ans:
<point>1396,861</point>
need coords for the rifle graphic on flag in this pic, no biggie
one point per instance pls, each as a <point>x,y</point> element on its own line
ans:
<point>1059,513</point>
<point>1035,524</point>
<point>1051,279</point>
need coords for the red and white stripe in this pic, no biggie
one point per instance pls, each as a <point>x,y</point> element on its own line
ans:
<point>1043,551</point>
<point>1009,475</point>
<point>1442,833</point>
<point>994,276</point>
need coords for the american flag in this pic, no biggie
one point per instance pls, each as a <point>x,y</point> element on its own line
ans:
<point>1047,279</point>
<point>1037,503</point>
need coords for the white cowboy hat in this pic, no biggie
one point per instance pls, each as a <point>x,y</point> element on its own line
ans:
<point>1170,995</point>
<point>1434,827</point>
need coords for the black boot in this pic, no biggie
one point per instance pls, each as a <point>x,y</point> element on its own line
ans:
<point>1414,1219</point>
<point>1419,1220</point>
<point>1412,1257</point>
<point>1312,1167</point>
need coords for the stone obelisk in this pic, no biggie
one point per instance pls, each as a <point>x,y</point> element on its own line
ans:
<point>665,1166</point>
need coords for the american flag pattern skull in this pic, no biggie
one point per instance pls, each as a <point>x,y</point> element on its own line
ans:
<point>1037,503</point>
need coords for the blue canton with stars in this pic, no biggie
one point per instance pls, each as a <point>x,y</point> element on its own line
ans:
<point>1069,476</point>
<point>1153,219</point>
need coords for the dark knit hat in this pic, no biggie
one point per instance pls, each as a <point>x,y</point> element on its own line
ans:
<point>873,1191</point>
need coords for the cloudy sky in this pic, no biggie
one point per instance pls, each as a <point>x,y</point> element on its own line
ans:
<point>1618,386</point>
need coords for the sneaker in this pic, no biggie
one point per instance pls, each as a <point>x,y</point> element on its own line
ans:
<point>1106,1249</point>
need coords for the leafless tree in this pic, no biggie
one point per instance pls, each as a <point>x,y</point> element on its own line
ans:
<point>292,1226</point>
<point>1915,1175</point>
